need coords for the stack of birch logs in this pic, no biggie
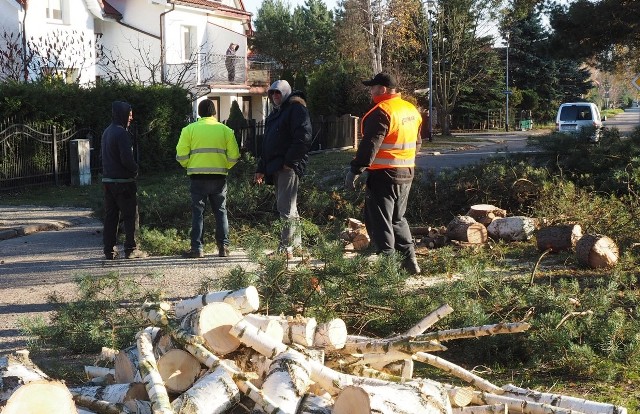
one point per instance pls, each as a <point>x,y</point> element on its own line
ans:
<point>214,354</point>
<point>484,221</point>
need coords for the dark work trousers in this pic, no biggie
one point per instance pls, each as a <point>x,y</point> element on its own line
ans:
<point>214,190</point>
<point>120,201</point>
<point>384,208</point>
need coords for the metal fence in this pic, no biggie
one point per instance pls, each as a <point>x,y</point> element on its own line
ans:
<point>36,154</point>
<point>327,133</point>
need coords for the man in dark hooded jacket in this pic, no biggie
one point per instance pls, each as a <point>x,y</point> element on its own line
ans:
<point>119,171</point>
<point>287,139</point>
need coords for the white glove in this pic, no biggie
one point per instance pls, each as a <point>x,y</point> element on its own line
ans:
<point>350,181</point>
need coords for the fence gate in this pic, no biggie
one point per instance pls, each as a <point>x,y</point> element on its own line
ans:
<point>33,155</point>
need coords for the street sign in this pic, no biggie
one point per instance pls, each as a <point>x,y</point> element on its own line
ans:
<point>636,82</point>
<point>507,92</point>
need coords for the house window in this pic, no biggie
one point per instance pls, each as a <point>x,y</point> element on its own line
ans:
<point>54,9</point>
<point>188,43</point>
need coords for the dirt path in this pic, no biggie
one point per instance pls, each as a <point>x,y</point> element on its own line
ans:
<point>38,264</point>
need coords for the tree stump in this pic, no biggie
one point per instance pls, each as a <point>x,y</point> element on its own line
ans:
<point>516,228</point>
<point>466,229</point>
<point>331,335</point>
<point>486,213</point>
<point>558,238</point>
<point>597,251</point>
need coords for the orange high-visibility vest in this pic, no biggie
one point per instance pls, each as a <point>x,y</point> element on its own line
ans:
<point>398,149</point>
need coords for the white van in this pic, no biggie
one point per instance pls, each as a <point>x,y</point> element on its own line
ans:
<point>574,116</point>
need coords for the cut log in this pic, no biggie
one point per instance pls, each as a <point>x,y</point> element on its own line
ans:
<point>516,228</point>
<point>245,300</point>
<point>360,240</point>
<point>139,407</point>
<point>460,397</point>
<point>41,397</point>
<point>314,404</point>
<point>466,229</point>
<point>421,231</point>
<point>214,393</point>
<point>151,377</point>
<point>268,325</point>
<point>287,381</point>
<point>578,404</point>
<point>474,331</point>
<point>179,370</point>
<point>212,322</point>
<point>352,400</point>
<point>298,329</point>
<point>107,354</point>
<point>126,366</point>
<point>486,213</point>
<point>99,406</point>
<point>16,370</point>
<point>92,371</point>
<point>354,224</point>
<point>558,238</point>
<point>597,251</point>
<point>481,409</point>
<point>519,405</point>
<point>116,393</point>
<point>211,361</point>
<point>391,398</point>
<point>331,335</point>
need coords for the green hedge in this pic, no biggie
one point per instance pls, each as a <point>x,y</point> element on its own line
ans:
<point>159,112</point>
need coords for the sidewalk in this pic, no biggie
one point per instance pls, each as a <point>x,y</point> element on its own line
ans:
<point>47,248</point>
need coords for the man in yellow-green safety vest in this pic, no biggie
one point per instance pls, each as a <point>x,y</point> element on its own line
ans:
<point>207,149</point>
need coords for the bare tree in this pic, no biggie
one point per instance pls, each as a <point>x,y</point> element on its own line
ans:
<point>55,54</point>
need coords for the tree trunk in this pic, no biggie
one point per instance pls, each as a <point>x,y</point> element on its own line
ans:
<point>245,300</point>
<point>179,370</point>
<point>466,229</point>
<point>212,322</point>
<point>92,371</point>
<point>116,393</point>
<point>151,377</point>
<point>392,399</point>
<point>126,366</point>
<point>268,325</point>
<point>458,372</point>
<point>15,370</point>
<point>597,251</point>
<point>99,406</point>
<point>519,405</point>
<point>298,329</point>
<point>481,409</point>
<point>214,393</point>
<point>485,213</point>
<point>429,320</point>
<point>40,397</point>
<point>558,238</point>
<point>578,404</point>
<point>331,335</point>
<point>516,228</point>
<point>287,380</point>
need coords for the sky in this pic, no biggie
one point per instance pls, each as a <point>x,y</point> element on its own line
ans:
<point>252,6</point>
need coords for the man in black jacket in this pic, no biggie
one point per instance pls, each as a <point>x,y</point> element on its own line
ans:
<point>287,139</point>
<point>119,172</point>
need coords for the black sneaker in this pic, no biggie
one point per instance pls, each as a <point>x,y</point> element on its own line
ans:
<point>191,254</point>
<point>136,254</point>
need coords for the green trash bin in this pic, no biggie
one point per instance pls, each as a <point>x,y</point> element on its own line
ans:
<point>526,124</point>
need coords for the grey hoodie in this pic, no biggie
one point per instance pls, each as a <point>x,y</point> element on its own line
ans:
<point>282,86</point>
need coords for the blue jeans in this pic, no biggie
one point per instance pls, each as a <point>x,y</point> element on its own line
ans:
<point>215,190</point>
<point>286,183</point>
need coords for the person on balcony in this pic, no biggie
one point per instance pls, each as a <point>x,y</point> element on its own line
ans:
<point>286,143</point>
<point>230,61</point>
<point>207,149</point>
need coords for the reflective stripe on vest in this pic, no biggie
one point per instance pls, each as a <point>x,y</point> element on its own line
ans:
<point>207,170</point>
<point>398,149</point>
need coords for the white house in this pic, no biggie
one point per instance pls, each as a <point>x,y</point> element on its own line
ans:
<point>184,42</point>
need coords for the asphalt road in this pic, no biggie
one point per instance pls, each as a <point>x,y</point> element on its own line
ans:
<point>502,144</point>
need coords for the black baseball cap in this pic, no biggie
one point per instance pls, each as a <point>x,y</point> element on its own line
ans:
<point>383,79</point>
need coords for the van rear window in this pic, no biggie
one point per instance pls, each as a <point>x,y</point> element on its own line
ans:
<point>575,113</point>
